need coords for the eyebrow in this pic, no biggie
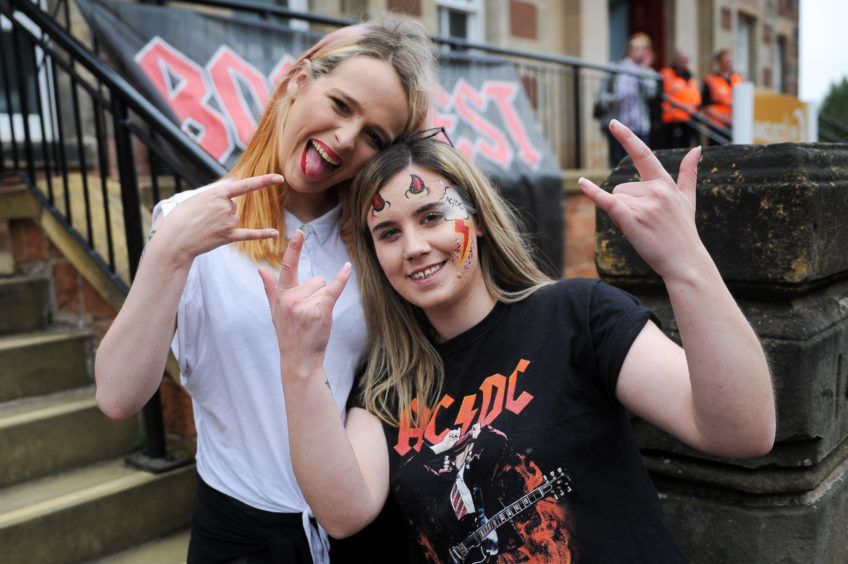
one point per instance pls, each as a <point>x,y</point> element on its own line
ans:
<point>418,211</point>
<point>354,103</point>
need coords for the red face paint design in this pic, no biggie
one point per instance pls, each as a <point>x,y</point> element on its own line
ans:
<point>379,204</point>
<point>416,186</point>
<point>463,243</point>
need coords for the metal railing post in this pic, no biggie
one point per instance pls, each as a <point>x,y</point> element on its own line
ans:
<point>578,120</point>
<point>133,230</point>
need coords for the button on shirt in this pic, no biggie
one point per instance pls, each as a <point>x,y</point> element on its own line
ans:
<point>320,255</point>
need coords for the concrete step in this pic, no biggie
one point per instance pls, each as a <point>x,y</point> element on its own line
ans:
<point>93,512</point>
<point>58,432</point>
<point>26,305</point>
<point>170,549</point>
<point>42,363</point>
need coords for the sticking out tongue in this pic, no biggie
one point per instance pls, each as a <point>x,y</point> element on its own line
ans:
<point>314,165</point>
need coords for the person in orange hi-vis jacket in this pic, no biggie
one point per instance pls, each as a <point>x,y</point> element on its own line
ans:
<point>681,89</point>
<point>717,93</point>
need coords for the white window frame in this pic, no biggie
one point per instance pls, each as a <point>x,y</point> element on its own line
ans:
<point>294,5</point>
<point>45,91</point>
<point>473,9</point>
<point>298,6</point>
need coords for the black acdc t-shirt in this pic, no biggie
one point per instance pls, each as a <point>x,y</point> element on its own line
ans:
<point>528,456</point>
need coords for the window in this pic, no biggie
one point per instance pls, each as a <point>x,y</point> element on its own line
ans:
<point>619,29</point>
<point>780,66</point>
<point>28,89</point>
<point>294,5</point>
<point>461,19</point>
<point>744,52</point>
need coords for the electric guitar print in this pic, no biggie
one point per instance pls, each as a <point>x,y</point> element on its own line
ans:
<point>555,485</point>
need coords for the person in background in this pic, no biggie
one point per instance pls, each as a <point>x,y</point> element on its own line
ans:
<point>681,89</point>
<point>717,92</point>
<point>495,404</point>
<point>342,101</point>
<point>629,95</point>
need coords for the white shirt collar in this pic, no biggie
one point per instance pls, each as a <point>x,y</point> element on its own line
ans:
<point>321,227</point>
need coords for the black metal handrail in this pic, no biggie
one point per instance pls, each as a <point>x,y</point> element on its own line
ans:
<point>82,140</point>
<point>832,130</point>
<point>702,125</point>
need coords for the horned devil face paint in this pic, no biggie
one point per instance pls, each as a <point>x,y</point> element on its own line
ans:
<point>424,238</point>
<point>416,186</point>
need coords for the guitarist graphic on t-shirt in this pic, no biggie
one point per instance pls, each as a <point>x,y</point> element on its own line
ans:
<point>483,471</point>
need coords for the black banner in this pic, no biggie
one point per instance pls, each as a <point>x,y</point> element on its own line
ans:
<point>213,73</point>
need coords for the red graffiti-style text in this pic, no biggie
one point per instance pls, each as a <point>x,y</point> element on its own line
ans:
<point>239,91</point>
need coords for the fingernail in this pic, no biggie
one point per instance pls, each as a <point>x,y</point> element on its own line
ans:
<point>347,263</point>
<point>279,178</point>
<point>581,179</point>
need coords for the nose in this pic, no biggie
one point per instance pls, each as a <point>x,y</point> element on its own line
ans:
<point>346,134</point>
<point>415,246</point>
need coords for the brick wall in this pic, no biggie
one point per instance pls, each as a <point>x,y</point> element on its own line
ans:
<point>579,236</point>
<point>74,301</point>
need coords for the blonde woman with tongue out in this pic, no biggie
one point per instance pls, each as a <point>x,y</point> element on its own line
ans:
<point>198,291</point>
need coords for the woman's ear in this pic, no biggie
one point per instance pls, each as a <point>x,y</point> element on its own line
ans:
<point>301,76</point>
<point>481,232</point>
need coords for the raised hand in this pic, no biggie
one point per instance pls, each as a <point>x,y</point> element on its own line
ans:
<point>656,214</point>
<point>209,219</point>
<point>302,313</point>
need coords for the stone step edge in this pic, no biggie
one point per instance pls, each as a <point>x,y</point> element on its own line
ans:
<point>64,501</point>
<point>22,340</point>
<point>22,411</point>
<point>167,549</point>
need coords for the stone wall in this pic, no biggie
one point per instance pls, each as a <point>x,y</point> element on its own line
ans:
<point>775,220</point>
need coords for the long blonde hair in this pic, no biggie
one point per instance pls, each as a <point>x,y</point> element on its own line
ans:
<point>402,363</point>
<point>399,41</point>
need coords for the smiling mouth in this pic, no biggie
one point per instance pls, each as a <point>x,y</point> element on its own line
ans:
<point>426,273</point>
<point>324,154</point>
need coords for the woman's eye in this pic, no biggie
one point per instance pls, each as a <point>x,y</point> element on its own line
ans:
<point>388,234</point>
<point>339,104</point>
<point>375,140</point>
<point>430,218</point>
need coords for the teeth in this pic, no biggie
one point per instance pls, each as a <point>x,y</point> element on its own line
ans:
<point>324,154</point>
<point>427,272</point>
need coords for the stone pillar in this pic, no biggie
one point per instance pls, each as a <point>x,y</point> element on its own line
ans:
<point>775,220</point>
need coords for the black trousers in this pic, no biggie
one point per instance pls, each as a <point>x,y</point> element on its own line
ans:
<point>225,530</point>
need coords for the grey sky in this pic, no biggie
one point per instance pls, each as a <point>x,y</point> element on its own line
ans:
<point>824,58</point>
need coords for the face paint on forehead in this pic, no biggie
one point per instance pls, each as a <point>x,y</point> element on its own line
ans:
<point>417,186</point>
<point>454,205</point>
<point>378,204</point>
